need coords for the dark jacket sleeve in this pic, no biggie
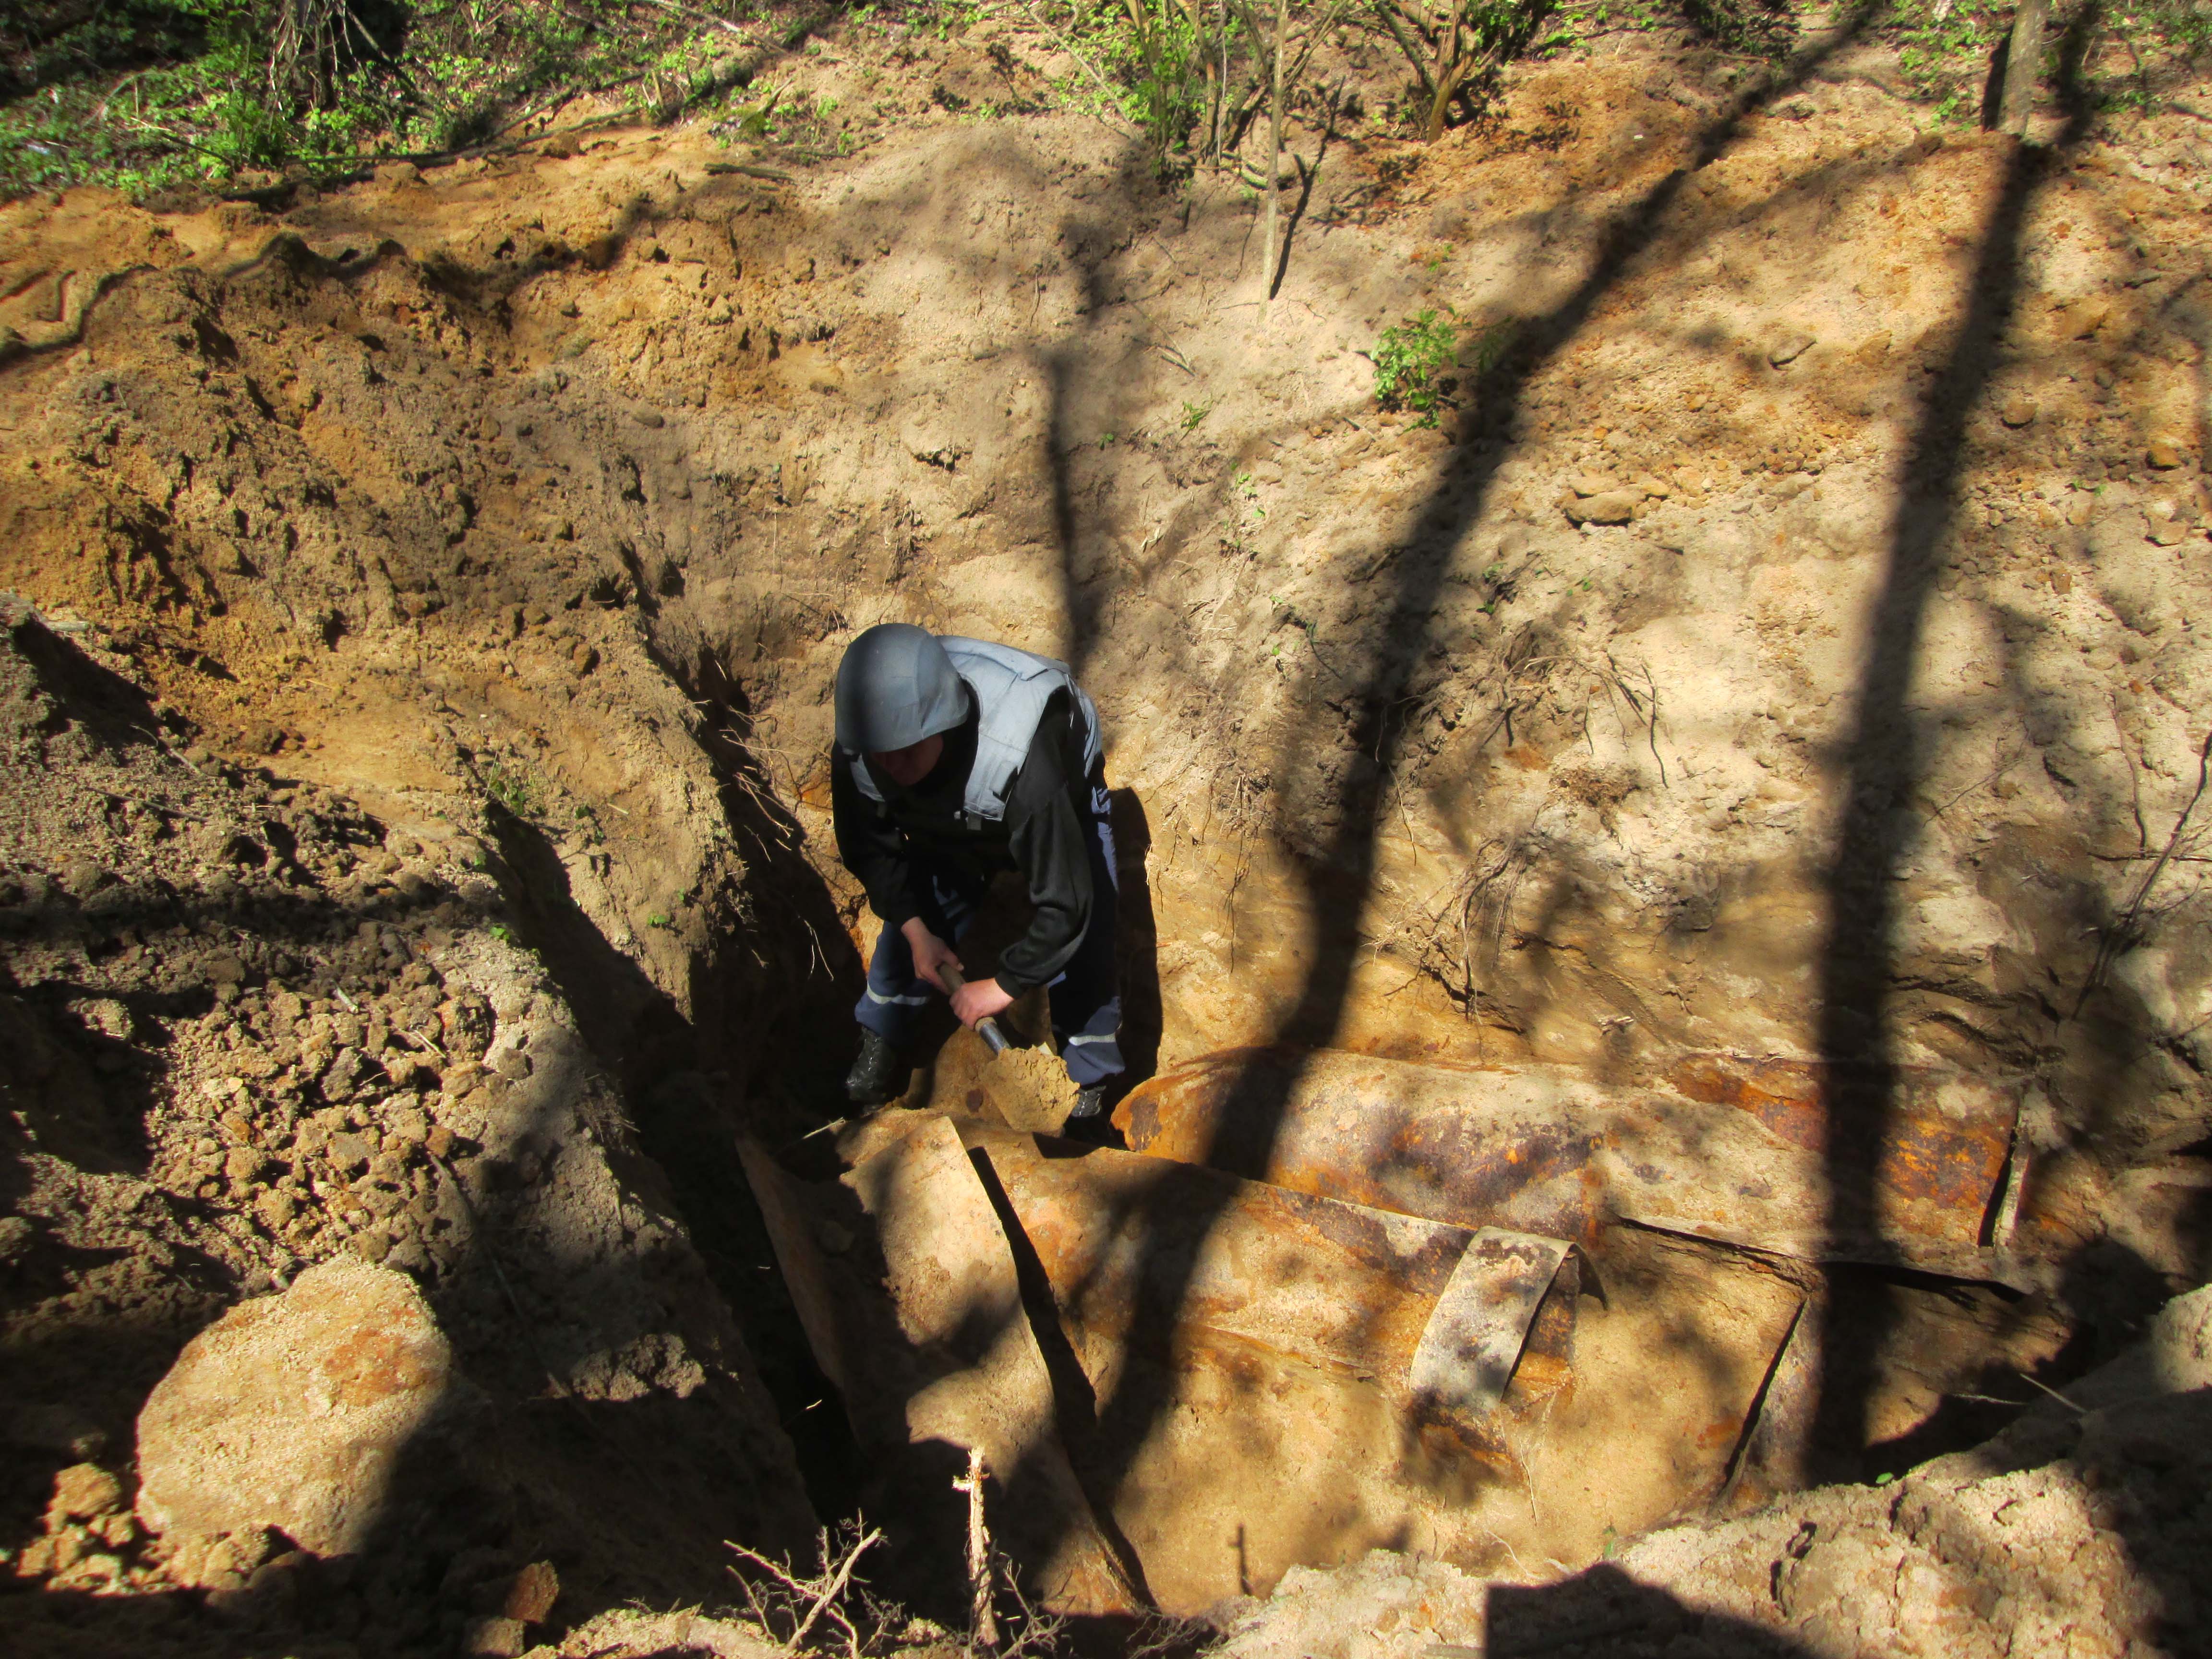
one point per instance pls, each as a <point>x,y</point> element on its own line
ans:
<point>871,846</point>
<point>1051,844</point>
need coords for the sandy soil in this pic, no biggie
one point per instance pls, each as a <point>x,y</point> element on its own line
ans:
<point>250,1031</point>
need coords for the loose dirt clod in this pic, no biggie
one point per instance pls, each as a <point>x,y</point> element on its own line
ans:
<point>296,1411</point>
<point>229,1076</point>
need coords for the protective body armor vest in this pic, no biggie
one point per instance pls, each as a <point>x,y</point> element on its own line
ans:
<point>1011,689</point>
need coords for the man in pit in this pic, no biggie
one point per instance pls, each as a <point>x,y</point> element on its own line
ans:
<point>957,759</point>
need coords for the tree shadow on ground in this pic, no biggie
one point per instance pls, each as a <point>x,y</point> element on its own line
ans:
<point>1338,866</point>
<point>1884,756</point>
<point>1603,1613</point>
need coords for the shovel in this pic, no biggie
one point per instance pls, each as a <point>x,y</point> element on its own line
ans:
<point>987,1028</point>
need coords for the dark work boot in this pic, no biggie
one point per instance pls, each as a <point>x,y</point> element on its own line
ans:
<point>1088,1122</point>
<point>877,1076</point>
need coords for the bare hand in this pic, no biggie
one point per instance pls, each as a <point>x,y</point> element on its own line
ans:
<point>979,998</point>
<point>930,953</point>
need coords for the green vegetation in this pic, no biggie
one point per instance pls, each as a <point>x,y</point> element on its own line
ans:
<point>1197,77</point>
<point>1946,47</point>
<point>1246,515</point>
<point>1757,28</point>
<point>148,94</point>
<point>1411,361</point>
<point>514,788</point>
<point>1491,345</point>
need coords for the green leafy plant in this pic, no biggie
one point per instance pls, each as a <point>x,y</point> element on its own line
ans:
<point>1411,360</point>
<point>1171,77</point>
<point>513,787</point>
<point>1245,512</point>
<point>1298,620</point>
<point>1193,413</point>
<point>1945,48</point>
<point>754,120</point>
<point>1765,28</point>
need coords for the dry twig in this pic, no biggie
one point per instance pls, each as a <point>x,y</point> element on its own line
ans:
<point>2126,931</point>
<point>779,1598</point>
<point>982,1619</point>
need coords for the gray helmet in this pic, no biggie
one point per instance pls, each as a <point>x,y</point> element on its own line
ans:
<point>894,687</point>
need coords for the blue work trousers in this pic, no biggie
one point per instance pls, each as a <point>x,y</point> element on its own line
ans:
<point>1086,1002</point>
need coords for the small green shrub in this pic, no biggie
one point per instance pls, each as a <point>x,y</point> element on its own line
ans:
<point>1411,360</point>
<point>1762,28</point>
<point>513,787</point>
<point>1170,79</point>
<point>143,95</point>
<point>1246,515</point>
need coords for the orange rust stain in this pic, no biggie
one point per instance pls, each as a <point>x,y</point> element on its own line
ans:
<point>1926,1156</point>
<point>1940,1161</point>
<point>1783,1097</point>
<point>374,1365</point>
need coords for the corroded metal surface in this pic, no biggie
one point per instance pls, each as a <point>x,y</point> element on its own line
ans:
<point>1468,1349</point>
<point>1344,1125</point>
<point>1934,1157</point>
<point>1250,1356</point>
<point>1247,1378</point>
<point>1128,1240</point>
<point>1782,1156</point>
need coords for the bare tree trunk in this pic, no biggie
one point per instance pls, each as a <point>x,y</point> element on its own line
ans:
<point>2023,64</point>
<point>303,55</point>
<point>1274,161</point>
<point>1221,85</point>
<point>1451,69</point>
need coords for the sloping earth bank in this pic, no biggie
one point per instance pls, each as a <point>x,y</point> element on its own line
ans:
<point>249,1029</point>
<point>1790,643</point>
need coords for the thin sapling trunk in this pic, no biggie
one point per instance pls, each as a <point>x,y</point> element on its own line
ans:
<point>1274,161</point>
<point>2023,64</point>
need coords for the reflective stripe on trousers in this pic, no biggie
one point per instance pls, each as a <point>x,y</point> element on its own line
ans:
<point>1086,1003</point>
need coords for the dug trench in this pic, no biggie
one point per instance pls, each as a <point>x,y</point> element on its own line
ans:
<point>1659,915</point>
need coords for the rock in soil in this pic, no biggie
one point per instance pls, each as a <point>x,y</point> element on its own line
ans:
<point>296,1411</point>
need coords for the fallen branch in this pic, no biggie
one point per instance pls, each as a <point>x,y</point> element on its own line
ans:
<point>821,1595</point>
<point>836,1588</point>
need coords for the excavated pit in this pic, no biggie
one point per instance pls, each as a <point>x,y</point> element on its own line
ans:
<point>1633,907</point>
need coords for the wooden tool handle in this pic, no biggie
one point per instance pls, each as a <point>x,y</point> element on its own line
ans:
<point>986,1028</point>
